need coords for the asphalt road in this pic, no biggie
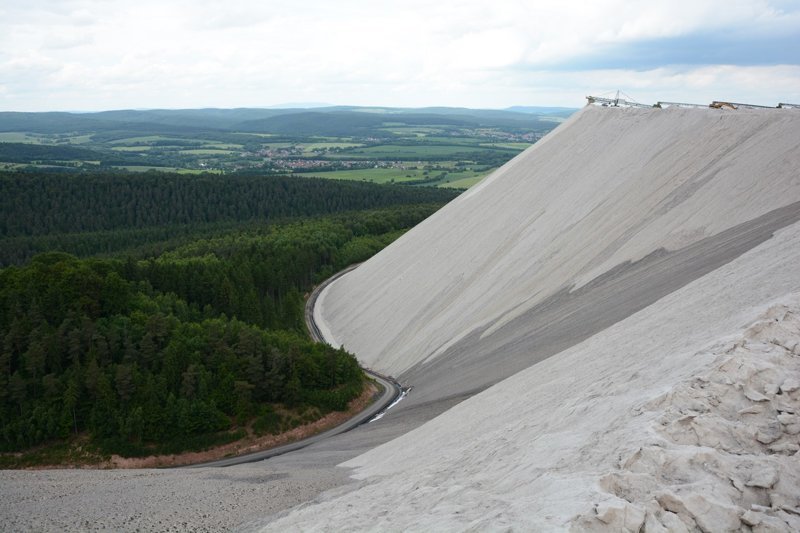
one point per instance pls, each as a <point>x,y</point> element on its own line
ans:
<point>391,391</point>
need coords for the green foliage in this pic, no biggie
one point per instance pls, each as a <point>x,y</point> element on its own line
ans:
<point>260,277</point>
<point>23,153</point>
<point>177,351</point>
<point>84,349</point>
<point>374,144</point>
<point>89,214</point>
<point>194,332</point>
<point>268,422</point>
<point>41,204</point>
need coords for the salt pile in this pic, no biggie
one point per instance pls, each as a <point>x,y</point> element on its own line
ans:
<point>682,413</point>
<point>602,335</point>
<point>629,291</point>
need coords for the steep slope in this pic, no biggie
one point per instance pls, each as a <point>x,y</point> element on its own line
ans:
<point>612,211</point>
<point>671,416</point>
<point>603,333</point>
<point>620,307</point>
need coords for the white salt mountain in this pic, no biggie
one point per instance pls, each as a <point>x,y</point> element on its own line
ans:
<point>603,335</point>
<point>620,304</point>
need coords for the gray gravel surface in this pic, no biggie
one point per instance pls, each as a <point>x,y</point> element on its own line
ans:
<point>209,499</point>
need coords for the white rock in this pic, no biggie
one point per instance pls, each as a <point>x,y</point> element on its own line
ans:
<point>621,515</point>
<point>755,396</point>
<point>790,385</point>
<point>762,477</point>
<point>708,514</point>
<point>673,523</point>
<point>771,524</point>
<point>792,429</point>
<point>769,433</point>
<point>784,447</point>
<point>779,500</point>
<point>653,525</point>
<point>671,502</point>
<point>784,405</point>
<point>751,518</point>
<point>791,519</point>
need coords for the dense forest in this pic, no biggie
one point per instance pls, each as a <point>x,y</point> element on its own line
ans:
<point>87,214</point>
<point>187,345</point>
<point>25,152</point>
<point>37,204</point>
<point>89,350</point>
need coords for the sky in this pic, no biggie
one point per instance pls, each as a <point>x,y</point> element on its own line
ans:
<point>90,55</point>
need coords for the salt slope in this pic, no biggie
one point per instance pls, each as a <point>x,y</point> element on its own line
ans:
<point>597,197</point>
<point>660,222</point>
<point>683,416</point>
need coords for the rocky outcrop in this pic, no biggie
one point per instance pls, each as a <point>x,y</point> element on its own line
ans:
<point>724,456</point>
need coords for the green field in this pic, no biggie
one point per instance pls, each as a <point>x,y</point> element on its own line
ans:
<point>376,175</point>
<point>402,152</point>
<point>463,179</point>
<point>131,148</point>
<point>223,146</point>
<point>463,183</point>
<point>433,146</point>
<point>205,151</point>
<point>512,146</point>
<point>439,177</point>
<point>454,141</point>
<point>16,137</point>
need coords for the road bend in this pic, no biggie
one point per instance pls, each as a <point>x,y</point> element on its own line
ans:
<point>390,392</point>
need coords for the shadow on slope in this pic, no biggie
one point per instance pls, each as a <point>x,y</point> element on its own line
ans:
<point>571,316</point>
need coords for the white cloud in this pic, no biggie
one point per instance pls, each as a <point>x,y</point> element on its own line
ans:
<point>91,54</point>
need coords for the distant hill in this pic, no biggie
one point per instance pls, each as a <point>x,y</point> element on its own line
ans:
<point>465,143</point>
<point>50,122</point>
<point>344,123</point>
<point>334,120</point>
<point>210,118</point>
<point>23,153</point>
<point>535,110</point>
<point>129,121</point>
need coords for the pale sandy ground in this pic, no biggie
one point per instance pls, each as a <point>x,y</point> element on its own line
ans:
<point>683,415</point>
<point>617,261</point>
<point>626,256</point>
<point>154,500</point>
<point>610,185</point>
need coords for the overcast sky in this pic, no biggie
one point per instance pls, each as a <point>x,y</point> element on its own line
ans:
<point>114,54</point>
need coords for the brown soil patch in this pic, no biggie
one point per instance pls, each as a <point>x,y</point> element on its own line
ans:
<point>251,443</point>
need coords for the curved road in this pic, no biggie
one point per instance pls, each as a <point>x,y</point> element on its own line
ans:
<point>391,391</point>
